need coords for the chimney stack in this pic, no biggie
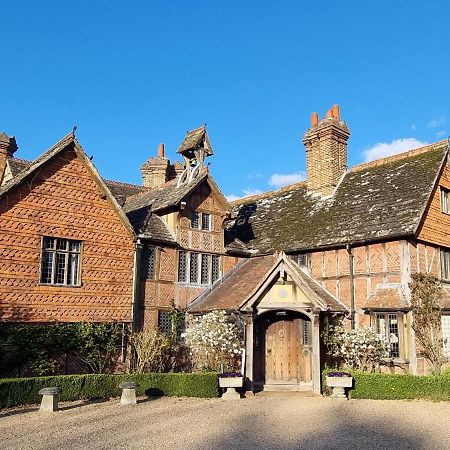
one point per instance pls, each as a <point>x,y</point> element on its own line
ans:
<point>155,170</point>
<point>7,148</point>
<point>326,152</point>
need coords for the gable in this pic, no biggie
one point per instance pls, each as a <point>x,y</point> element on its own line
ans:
<point>62,199</point>
<point>435,225</point>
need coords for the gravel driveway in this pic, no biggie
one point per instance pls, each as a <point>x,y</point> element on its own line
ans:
<point>282,422</point>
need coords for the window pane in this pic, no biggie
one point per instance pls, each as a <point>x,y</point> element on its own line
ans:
<point>194,268</point>
<point>215,268</point>
<point>205,269</point>
<point>182,266</point>
<point>75,246</point>
<point>393,335</point>
<point>444,200</point>
<point>445,321</point>
<point>164,322</point>
<point>148,269</point>
<point>206,219</point>
<point>49,242</point>
<point>61,244</point>
<point>60,271</point>
<point>445,266</point>
<point>73,269</point>
<point>194,219</point>
<point>46,267</point>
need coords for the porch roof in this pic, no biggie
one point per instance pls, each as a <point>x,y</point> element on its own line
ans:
<point>241,287</point>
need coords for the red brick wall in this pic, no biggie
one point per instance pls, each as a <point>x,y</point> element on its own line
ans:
<point>63,200</point>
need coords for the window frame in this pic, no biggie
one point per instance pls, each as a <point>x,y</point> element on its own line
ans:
<point>199,279</point>
<point>445,337</point>
<point>145,274</point>
<point>444,256</point>
<point>206,222</point>
<point>395,351</point>
<point>201,221</point>
<point>444,197</point>
<point>56,250</point>
<point>296,257</point>
<point>167,318</point>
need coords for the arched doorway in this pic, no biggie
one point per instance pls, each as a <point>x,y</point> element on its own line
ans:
<point>283,349</point>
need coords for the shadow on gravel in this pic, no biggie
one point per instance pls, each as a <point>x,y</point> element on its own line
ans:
<point>341,430</point>
<point>19,410</point>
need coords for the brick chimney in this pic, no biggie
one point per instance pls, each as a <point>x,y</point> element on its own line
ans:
<point>155,170</point>
<point>7,148</point>
<point>326,152</point>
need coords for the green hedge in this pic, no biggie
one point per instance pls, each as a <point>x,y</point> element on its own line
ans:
<point>382,386</point>
<point>23,391</point>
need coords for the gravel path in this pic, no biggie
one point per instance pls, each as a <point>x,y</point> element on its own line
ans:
<point>282,422</point>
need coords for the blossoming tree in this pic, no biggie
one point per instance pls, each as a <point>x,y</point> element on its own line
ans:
<point>214,340</point>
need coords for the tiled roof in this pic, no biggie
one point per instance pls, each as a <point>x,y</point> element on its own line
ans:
<point>149,225</point>
<point>387,296</point>
<point>166,196</point>
<point>235,287</point>
<point>17,165</point>
<point>373,201</point>
<point>123,190</point>
<point>194,138</point>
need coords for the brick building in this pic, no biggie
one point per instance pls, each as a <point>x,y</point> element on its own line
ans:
<point>343,243</point>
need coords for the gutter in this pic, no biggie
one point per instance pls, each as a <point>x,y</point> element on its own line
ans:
<point>136,278</point>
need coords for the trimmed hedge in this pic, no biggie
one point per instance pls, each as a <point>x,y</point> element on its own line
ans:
<point>382,386</point>
<point>23,391</point>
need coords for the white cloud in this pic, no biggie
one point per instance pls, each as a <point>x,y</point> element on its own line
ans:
<point>245,193</point>
<point>283,179</point>
<point>383,149</point>
<point>441,133</point>
<point>437,122</point>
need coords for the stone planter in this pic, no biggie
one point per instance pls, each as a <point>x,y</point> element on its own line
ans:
<point>230,385</point>
<point>339,384</point>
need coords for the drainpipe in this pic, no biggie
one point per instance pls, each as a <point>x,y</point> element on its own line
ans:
<point>352,285</point>
<point>136,279</point>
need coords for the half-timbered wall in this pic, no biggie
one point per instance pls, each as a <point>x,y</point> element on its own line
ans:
<point>165,290</point>
<point>63,200</point>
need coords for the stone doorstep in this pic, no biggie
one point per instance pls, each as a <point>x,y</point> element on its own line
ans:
<point>287,388</point>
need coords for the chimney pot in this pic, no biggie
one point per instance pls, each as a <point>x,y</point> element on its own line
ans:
<point>161,151</point>
<point>314,119</point>
<point>329,114</point>
<point>335,110</point>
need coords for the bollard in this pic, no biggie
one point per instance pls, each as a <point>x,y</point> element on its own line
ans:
<point>128,393</point>
<point>50,396</point>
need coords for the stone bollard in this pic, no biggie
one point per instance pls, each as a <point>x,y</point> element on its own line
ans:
<point>128,393</point>
<point>50,396</point>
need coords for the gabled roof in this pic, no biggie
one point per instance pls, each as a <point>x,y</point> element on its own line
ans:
<point>64,143</point>
<point>150,226</point>
<point>374,201</point>
<point>194,139</point>
<point>243,286</point>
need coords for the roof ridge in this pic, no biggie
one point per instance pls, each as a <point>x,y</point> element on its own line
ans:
<point>399,156</point>
<point>197,129</point>
<point>26,161</point>
<point>123,183</point>
<point>268,193</point>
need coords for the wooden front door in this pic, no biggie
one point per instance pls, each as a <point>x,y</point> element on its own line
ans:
<point>288,355</point>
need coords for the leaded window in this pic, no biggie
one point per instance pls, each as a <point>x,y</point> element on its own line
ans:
<point>445,321</point>
<point>215,268</point>
<point>301,259</point>
<point>165,323</point>
<point>195,221</point>
<point>193,269</point>
<point>444,200</point>
<point>387,327</point>
<point>60,261</point>
<point>182,266</point>
<point>148,263</point>
<point>206,222</point>
<point>198,268</point>
<point>445,264</point>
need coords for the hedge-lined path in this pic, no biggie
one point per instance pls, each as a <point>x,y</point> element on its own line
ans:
<point>282,422</point>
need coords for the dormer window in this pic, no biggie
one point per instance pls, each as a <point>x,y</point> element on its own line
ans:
<point>301,259</point>
<point>444,200</point>
<point>201,221</point>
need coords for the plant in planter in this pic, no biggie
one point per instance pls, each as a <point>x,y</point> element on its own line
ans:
<point>338,381</point>
<point>231,381</point>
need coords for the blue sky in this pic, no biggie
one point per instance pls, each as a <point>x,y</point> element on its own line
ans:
<point>133,74</point>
